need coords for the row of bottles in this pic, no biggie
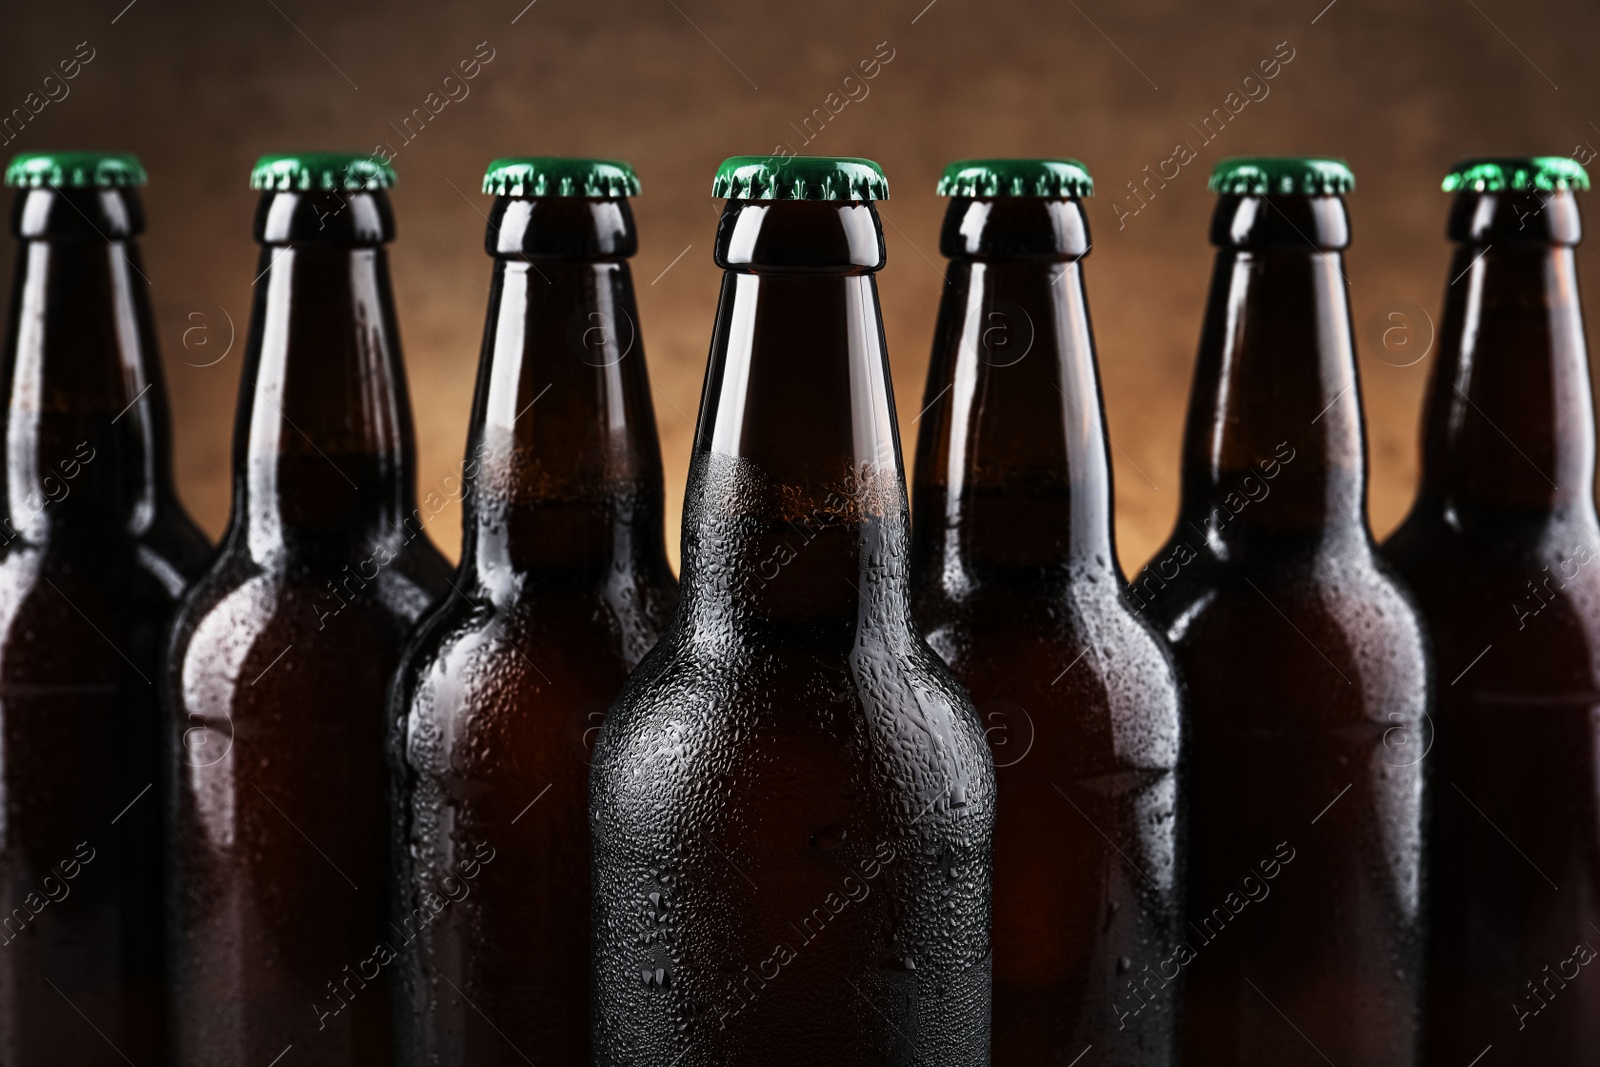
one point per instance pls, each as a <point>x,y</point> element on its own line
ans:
<point>1285,798</point>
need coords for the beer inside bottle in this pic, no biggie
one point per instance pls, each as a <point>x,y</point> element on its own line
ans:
<point>564,585</point>
<point>283,652</point>
<point>1502,549</point>
<point>792,802</point>
<point>1304,663</point>
<point>94,552</point>
<point>1016,582</point>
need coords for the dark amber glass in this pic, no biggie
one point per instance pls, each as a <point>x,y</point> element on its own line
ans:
<point>1307,681</point>
<point>95,551</point>
<point>1502,549</point>
<point>1016,582</point>
<point>564,585</point>
<point>281,659</point>
<point>792,802</point>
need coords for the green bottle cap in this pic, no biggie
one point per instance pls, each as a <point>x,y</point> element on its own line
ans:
<point>1016,177</point>
<point>1282,176</point>
<point>325,171</point>
<point>75,170</point>
<point>799,178</point>
<point>560,176</point>
<point>1516,172</point>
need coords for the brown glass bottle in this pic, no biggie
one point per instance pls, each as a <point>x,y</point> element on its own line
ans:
<point>792,802</point>
<point>281,657</point>
<point>94,552</point>
<point>1502,549</point>
<point>1307,682</point>
<point>564,586</point>
<point>1015,581</point>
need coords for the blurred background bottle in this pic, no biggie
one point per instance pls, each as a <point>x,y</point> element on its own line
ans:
<point>792,801</point>
<point>1016,583</point>
<point>563,586</point>
<point>94,552</point>
<point>1307,681</point>
<point>282,655</point>
<point>1502,549</point>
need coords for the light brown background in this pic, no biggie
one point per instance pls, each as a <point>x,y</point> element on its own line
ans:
<point>1400,89</point>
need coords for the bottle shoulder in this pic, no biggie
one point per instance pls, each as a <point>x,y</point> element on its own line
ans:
<point>878,747</point>
<point>758,689</point>
<point>1086,685</point>
<point>137,575</point>
<point>1532,596</point>
<point>492,697</point>
<point>1192,568</point>
<point>1431,546</point>
<point>529,650</point>
<point>995,625</point>
<point>1333,641</point>
<point>319,600</point>
<point>1339,585</point>
<point>59,610</point>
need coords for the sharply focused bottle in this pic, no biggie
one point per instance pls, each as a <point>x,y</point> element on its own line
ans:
<point>564,585</point>
<point>1502,549</point>
<point>1016,582</point>
<point>792,802</point>
<point>1307,681</point>
<point>281,658</point>
<point>94,552</point>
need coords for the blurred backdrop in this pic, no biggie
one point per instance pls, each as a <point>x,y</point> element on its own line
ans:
<point>1398,88</point>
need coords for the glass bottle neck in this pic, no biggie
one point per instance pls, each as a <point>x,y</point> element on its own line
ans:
<point>795,514</point>
<point>1012,471</point>
<point>563,468</point>
<point>324,456</point>
<point>1509,429</point>
<point>1274,445</point>
<point>88,441</point>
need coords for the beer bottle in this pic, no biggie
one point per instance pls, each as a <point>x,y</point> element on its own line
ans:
<point>282,654</point>
<point>1016,582</point>
<point>1307,682</point>
<point>1498,549</point>
<point>792,802</point>
<point>94,552</point>
<point>564,586</point>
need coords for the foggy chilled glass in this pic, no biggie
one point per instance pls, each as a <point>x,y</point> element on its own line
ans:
<point>792,802</point>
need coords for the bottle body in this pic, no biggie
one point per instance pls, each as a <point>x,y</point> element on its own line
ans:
<point>565,586</point>
<point>1496,550</point>
<point>792,802</point>
<point>1307,679</point>
<point>96,552</point>
<point>1016,584</point>
<point>281,659</point>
